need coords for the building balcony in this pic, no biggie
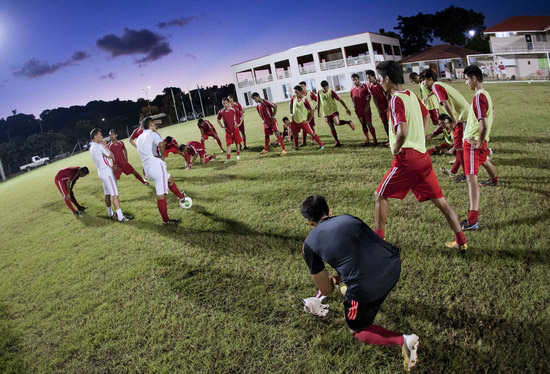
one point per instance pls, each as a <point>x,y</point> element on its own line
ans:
<point>336,64</point>
<point>246,83</point>
<point>264,79</point>
<point>520,46</point>
<point>359,60</point>
<point>283,75</point>
<point>378,58</point>
<point>307,70</point>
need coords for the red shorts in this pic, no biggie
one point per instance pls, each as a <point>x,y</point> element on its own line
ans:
<point>458,133</point>
<point>124,168</point>
<point>366,116</point>
<point>434,115</point>
<point>241,127</point>
<point>474,157</point>
<point>271,128</point>
<point>411,170</point>
<point>296,127</point>
<point>62,187</point>
<point>209,134</point>
<point>233,137</point>
<point>173,150</point>
<point>312,122</point>
<point>330,119</point>
<point>383,115</point>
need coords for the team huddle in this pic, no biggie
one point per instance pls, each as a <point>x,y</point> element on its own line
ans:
<point>369,267</point>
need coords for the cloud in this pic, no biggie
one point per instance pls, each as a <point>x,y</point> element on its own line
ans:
<point>35,68</point>
<point>180,22</point>
<point>153,45</point>
<point>190,56</point>
<point>108,76</point>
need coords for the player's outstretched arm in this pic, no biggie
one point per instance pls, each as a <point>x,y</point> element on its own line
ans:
<point>133,142</point>
<point>445,104</point>
<point>220,124</point>
<point>274,111</point>
<point>323,282</point>
<point>348,112</point>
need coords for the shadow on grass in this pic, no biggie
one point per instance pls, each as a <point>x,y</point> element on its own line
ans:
<point>538,163</point>
<point>11,360</point>
<point>520,139</point>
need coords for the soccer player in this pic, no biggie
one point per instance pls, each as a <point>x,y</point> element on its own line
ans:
<point>458,148</point>
<point>369,267</point>
<point>194,149</point>
<point>476,136</point>
<point>447,135</point>
<point>207,130</point>
<point>231,120</point>
<point>301,113</point>
<point>328,102</point>
<point>170,146</point>
<point>411,167</point>
<point>239,107</point>
<point>310,95</point>
<point>65,180</point>
<point>150,147</point>
<point>137,132</point>
<point>360,96</point>
<point>427,97</point>
<point>267,111</point>
<point>101,155</point>
<point>120,160</point>
<point>379,97</point>
<point>286,129</point>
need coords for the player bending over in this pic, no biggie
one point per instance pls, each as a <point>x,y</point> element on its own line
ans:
<point>369,267</point>
<point>328,102</point>
<point>207,130</point>
<point>267,111</point>
<point>194,149</point>
<point>170,146</point>
<point>120,162</point>
<point>301,113</point>
<point>231,120</point>
<point>447,123</point>
<point>151,151</point>
<point>360,96</point>
<point>65,180</point>
<point>411,167</point>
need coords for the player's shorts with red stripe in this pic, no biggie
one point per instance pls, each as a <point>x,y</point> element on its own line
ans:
<point>458,133</point>
<point>359,314</point>
<point>366,116</point>
<point>233,137</point>
<point>330,119</point>
<point>411,170</point>
<point>169,150</point>
<point>296,127</point>
<point>62,187</point>
<point>118,169</point>
<point>474,157</point>
<point>271,128</point>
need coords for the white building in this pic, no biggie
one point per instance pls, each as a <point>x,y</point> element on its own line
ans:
<point>274,76</point>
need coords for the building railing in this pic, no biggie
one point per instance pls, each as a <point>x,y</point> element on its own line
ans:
<point>306,70</point>
<point>521,47</point>
<point>336,64</point>
<point>283,75</point>
<point>264,79</point>
<point>378,58</point>
<point>359,60</point>
<point>246,83</point>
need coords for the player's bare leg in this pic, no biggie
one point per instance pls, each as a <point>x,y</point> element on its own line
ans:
<point>281,141</point>
<point>380,215</point>
<point>341,122</point>
<point>219,143</point>
<point>373,133</point>
<point>139,178</point>
<point>239,150</point>
<point>243,135</point>
<point>266,145</point>
<point>365,130</point>
<point>334,134</point>
<point>452,219</point>
<point>492,171</point>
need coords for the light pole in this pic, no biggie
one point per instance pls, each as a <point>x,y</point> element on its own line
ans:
<point>146,91</point>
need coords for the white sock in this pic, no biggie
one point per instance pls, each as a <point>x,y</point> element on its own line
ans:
<point>110,211</point>
<point>119,214</point>
<point>405,336</point>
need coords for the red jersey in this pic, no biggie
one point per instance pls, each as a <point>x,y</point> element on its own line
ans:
<point>72,173</point>
<point>137,132</point>
<point>398,109</point>
<point>118,152</point>
<point>207,127</point>
<point>311,96</point>
<point>237,106</point>
<point>231,118</point>
<point>377,92</point>
<point>265,109</point>
<point>360,95</point>
<point>172,144</point>
<point>194,149</point>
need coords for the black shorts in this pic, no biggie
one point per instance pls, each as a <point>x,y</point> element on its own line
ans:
<point>360,315</point>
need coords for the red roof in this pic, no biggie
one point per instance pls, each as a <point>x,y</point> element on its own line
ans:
<point>522,23</point>
<point>439,52</point>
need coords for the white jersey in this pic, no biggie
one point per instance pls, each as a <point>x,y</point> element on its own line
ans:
<point>100,155</point>
<point>147,146</point>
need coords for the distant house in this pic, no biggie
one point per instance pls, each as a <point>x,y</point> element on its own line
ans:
<point>445,59</point>
<point>520,49</point>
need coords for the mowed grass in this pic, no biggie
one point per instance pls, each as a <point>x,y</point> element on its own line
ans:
<point>221,293</point>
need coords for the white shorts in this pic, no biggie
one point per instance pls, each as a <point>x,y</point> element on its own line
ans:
<point>109,185</point>
<point>159,175</point>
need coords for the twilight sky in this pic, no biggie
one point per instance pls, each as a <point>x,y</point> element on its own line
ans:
<point>58,53</point>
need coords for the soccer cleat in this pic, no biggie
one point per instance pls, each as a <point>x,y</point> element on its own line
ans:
<point>146,183</point>
<point>171,222</point>
<point>82,208</point>
<point>238,158</point>
<point>459,179</point>
<point>447,172</point>
<point>337,145</point>
<point>409,347</point>
<point>124,219</point>
<point>263,152</point>
<point>454,245</point>
<point>321,147</point>
<point>213,155</point>
<point>222,150</point>
<point>490,153</point>
<point>77,213</point>
<point>352,126</point>
<point>302,145</point>
<point>245,147</point>
<point>465,225</point>
<point>366,143</point>
<point>283,152</point>
<point>129,216</point>
<point>296,148</point>
<point>312,143</point>
<point>488,183</point>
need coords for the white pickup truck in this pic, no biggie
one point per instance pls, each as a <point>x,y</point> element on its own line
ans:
<point>36,162</point>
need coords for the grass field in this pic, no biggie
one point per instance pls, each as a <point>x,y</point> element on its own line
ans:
<point>222,292</point>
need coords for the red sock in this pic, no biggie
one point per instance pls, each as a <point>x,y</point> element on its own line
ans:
<point>431,151</point>
<point>295,139</point>
<point>318,140</point>
<point>219,143</point>
<point>304,137</point>
<point>70,205</point>
<point>174,189</point>
<point>228,156</point>
<point>139,178</point>
<point>366,131</point>
<point>456,165</point>
<point>266,144</point>
<point>207,160</point>
<point>281,142</point>
<point>460,238</point>
<point>378,335</point>
<point>373,132</point>
<point>163,209</point>
<point>239,153</point>
<point>380,233</point>
<point>494,180</point>
<point>472,216</point>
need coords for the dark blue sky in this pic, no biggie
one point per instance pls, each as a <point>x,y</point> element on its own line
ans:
<point>61,53</point>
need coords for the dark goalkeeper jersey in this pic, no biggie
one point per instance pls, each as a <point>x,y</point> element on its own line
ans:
<point>369,266</point>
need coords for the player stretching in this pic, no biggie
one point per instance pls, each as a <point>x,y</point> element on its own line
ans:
<point>267,111</point>
<point>153,162</point>
<point>476,136</point>
<point>120,161</point>
<point>311,97</point>
<point>65,180</point>
<point>194,149</point>
<point>170,146</point>
<point>207,130</point>
<point>328,102</point>
<point>379,97</point>
<point>101,155</point>
<point>239,107</point>
<point>447,123</point>
<point>231,120</point>
<point>368,266</point>
<point>361,102</point>
<point>411,167</point>
<point>137,132</point>
<point>301,113</point>
<point>428,99</point>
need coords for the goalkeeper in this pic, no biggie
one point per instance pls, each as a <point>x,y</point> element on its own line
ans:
<point>369,267</point>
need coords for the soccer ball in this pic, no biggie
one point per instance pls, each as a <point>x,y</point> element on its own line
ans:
<point>186,203</point>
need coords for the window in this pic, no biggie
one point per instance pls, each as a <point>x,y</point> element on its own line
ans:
<point>388,50</point>
<point>287,90</point>
<point>337,82</point>
<point>396,50</point>
<point>247,98</point>
<point>408,68</point>
<point>361,74</point>
<point>540,38</point>
<point>267,94</point>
